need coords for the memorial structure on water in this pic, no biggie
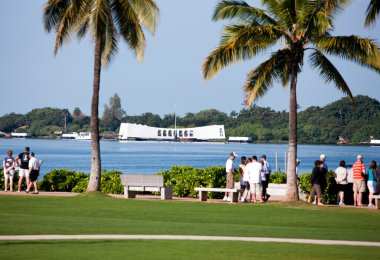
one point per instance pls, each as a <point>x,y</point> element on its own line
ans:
<point>136,132</point>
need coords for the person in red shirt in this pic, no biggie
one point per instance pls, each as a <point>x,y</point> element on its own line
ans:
<point>358,173</point>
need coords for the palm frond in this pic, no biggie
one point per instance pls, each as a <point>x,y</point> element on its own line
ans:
<point>84,21</point>
<point>53,12</point>
<point>241,11</point>
<point>240,42</point>
<point>262,78</point>
<point>128,24</point>
<point>363,51</point>
<point>372,12</point>
<point>329,73</point>
<point>283,11</point>
<point>63,16</point>
<point>110,36</point>
<point>334,6</point>
<point>147,12</point>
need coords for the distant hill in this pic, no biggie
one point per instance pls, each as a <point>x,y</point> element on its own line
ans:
<point>316,125</point>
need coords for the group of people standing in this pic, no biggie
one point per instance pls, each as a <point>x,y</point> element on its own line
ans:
<point>253,178</point>
<point>28,167</point>
<point>362,178</point>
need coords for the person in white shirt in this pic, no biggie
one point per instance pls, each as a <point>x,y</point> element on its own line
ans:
<point>230,176</point>
<point>255,181</point>
<point>341,179</point>
<point>266,171</point>
<point>246,182</point>
<point>34,171</point>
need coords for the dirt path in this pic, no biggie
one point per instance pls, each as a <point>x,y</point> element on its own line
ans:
<point>179,237</point>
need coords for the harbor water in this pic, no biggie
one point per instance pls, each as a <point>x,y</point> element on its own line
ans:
<point>153,157</point>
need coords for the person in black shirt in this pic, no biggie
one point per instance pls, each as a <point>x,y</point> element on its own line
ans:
<point>317,180</point>
<point>22,160</point>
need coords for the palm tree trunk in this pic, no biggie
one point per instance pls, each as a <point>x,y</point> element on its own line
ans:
<point>291,183</point>
<point>95,175</point>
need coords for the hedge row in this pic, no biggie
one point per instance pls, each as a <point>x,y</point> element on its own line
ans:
<point>183,179</point>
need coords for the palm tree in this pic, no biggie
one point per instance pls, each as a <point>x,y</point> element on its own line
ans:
<point>372,12</point>
<point>108,20</point>
<point>302,27</point>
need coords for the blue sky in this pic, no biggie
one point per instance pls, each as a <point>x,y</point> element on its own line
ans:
<point>32,77</point>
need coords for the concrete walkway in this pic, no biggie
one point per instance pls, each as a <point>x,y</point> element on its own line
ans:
<point>199,238</point>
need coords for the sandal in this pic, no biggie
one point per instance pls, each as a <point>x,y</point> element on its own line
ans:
<point>35,192</point>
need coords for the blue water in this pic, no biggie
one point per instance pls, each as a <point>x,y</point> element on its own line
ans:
<point>153,157</point>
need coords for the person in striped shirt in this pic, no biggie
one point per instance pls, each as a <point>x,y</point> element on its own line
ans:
<point>358,173</point>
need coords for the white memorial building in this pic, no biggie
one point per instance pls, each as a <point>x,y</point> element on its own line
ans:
<point>194,134</point>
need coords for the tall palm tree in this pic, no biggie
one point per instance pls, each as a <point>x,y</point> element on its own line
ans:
<point>372,12</point>
<point>301,27</point>
<point>107,20</point>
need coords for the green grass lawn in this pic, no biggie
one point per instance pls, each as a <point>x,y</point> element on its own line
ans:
<point>173,249</point>
<point>106,215</point>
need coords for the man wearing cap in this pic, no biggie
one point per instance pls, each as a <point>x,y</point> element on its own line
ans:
<point>34,171</point>
<point>230,175</point>
<point>22,161</point>
<point>358,172</point>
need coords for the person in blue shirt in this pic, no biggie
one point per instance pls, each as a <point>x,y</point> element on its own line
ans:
<point>372,182</point>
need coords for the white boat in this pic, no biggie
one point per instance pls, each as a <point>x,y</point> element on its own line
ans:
<point>70,136</point>
<point>20,135</point>
<point>374,142</point>
<point>240,139</point>
<point>83,136</point>
<point>195,134</point>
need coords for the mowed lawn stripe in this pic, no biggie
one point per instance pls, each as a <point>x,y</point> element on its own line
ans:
<point>178,249</point>
<point>104,215</point>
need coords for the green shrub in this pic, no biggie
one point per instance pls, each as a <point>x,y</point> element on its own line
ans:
<point>277,177</point>
<point>81,185</point>
<point>184,179</point>
<point>61,180</point>
<point>305,183</point>
<point>111,183</point>
<point>68,180</point>
<point>330,191</point>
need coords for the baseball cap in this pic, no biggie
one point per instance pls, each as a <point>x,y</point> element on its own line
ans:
<point>322,156</point>
<point>359,157</point>
<point>234,154</point>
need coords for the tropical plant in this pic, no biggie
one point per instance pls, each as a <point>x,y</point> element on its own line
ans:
<point>372,12</point>
<point>302,26</point>
<point>108,20</point>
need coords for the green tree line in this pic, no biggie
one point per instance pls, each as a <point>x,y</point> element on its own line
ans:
<point>316,125</point>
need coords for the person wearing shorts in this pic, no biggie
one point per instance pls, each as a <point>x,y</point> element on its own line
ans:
<point>316,180</point>
<point>8,166</point>
<point>22,160</point>
<point>34,171</point>
<point>358,173</point>
<point>372,182</point>
<point>255,181</point>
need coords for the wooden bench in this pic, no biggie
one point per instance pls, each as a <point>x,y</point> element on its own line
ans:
<point>141,182</point>
<point>203,192</point>
<point>377,201</point>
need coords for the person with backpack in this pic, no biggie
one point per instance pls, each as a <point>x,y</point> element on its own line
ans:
<point>22,160</point>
